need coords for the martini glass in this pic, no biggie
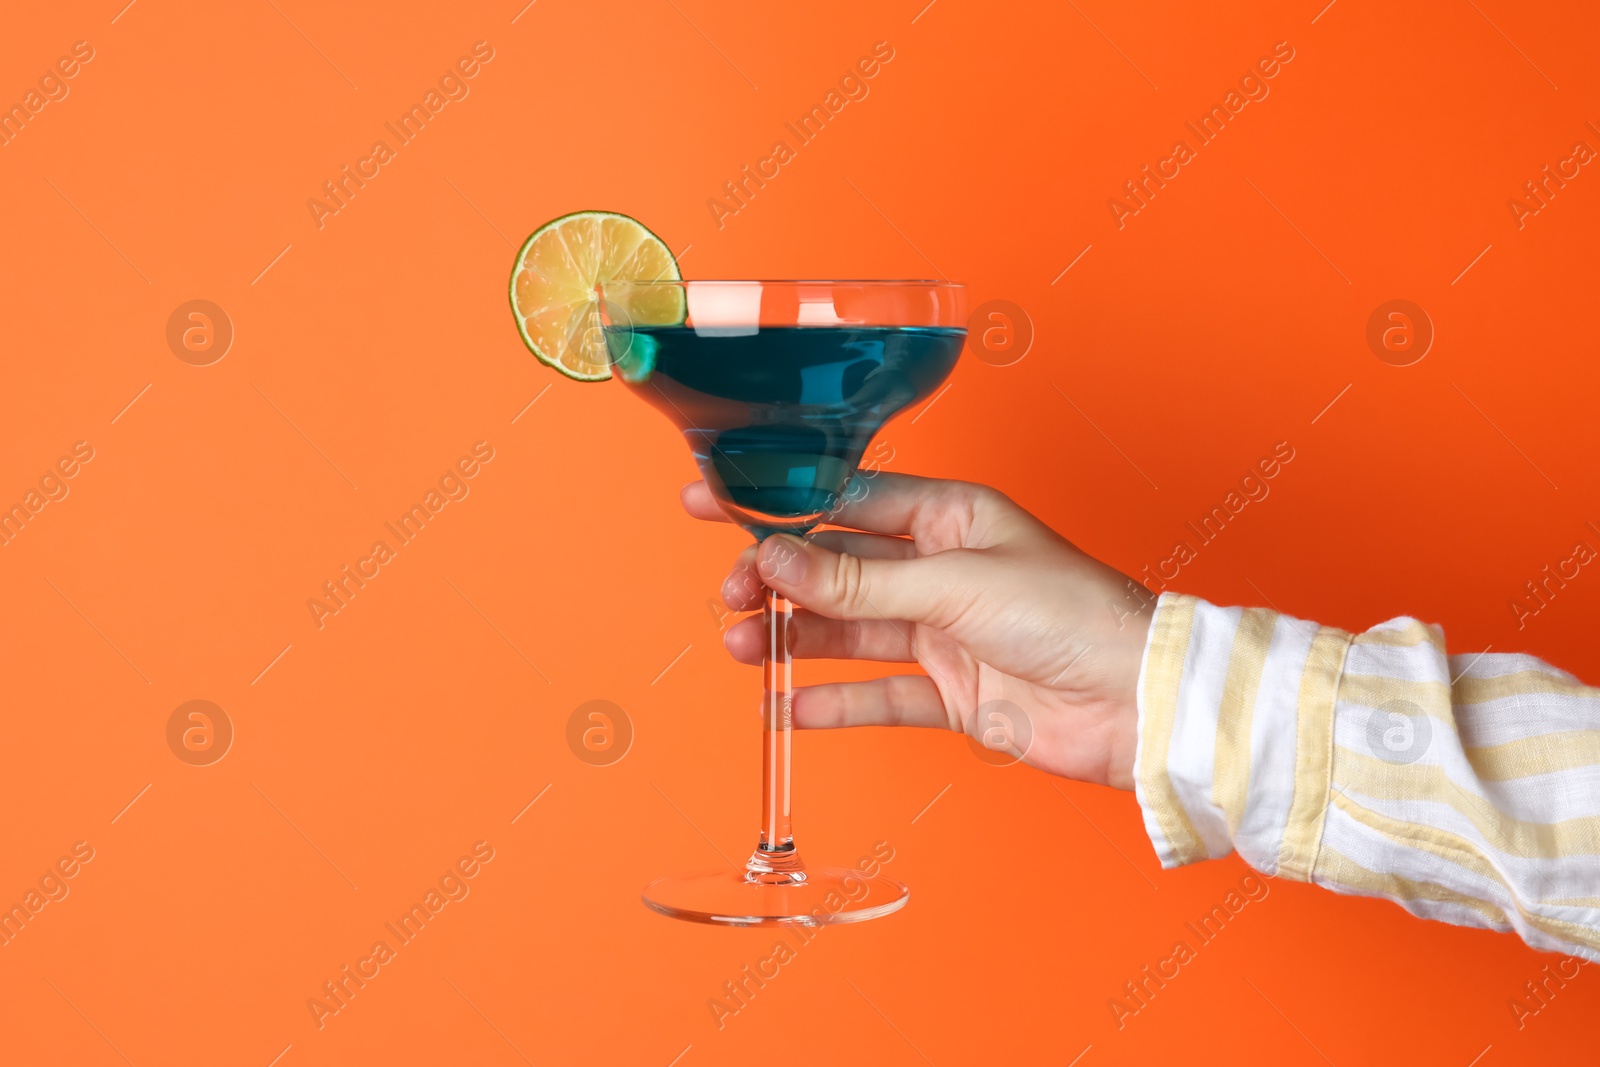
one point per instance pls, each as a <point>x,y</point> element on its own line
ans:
<point>778,387</point>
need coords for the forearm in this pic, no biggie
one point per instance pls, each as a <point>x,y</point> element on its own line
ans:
<point>1353,762</point>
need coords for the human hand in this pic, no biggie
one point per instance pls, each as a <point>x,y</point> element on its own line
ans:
<point>989,601</point>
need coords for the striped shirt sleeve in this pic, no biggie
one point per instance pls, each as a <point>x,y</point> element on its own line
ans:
<point>1462,788</point>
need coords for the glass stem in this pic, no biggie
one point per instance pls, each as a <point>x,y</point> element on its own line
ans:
<point>775,860</point>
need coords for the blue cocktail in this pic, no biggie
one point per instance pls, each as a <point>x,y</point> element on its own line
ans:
<point>779,387</point>
<point>779,419</point>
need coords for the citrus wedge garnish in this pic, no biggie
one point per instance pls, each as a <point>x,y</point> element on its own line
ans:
<point>553,288</point>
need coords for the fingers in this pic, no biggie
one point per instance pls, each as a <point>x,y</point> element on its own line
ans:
<point>866,545</point>
<point>899,700</point>
<point>930,589</point>
<point>891,503</point>
<point>817,637</point>
<point>742,590</point>
<point>698,502</point>
<point>883,503</point>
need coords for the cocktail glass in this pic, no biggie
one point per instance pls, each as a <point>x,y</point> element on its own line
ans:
<point>779,387</point>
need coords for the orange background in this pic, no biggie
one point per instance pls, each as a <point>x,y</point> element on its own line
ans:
<point>425,716</point>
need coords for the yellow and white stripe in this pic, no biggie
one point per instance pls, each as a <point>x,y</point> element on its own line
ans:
<point>1464,788</point>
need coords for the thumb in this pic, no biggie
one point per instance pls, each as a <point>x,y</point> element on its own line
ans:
<point>844,586</point>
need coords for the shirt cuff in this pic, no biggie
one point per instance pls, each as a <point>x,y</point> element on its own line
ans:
<point>1236,734</point>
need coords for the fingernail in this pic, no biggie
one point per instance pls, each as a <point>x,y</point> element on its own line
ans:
<point>783,559</point>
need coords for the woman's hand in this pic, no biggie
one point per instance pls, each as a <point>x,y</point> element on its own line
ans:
<point>999,610</point>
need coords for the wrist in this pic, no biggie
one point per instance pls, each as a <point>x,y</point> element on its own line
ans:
<point>1129,643</point>
<point>1121,637</point>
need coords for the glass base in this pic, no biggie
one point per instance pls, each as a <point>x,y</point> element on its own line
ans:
<point>817,896</point>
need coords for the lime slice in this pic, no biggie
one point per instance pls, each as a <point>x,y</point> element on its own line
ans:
<point>553,295</point>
